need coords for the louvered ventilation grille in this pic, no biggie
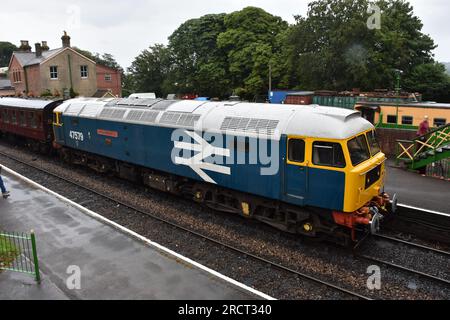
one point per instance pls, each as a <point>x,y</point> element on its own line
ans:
<point>112,113</point>
<point>149,116</point>
<point>264,126</point>
<point>163,105</point>
<point>179,119</point>
<point>134,115</point>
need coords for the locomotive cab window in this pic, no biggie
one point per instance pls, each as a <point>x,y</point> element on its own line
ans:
<point>359,150</point>
<point>296,150</point>
<point>328,154</point>
<point>373,143</point>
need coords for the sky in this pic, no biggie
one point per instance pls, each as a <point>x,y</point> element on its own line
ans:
<point>126,27</point>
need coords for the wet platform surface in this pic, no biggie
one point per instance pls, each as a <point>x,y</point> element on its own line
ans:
<point>113,264</point>
<point>414,190</point>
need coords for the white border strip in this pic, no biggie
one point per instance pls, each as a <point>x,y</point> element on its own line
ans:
<point>138,236</point>
<point>426,210</point>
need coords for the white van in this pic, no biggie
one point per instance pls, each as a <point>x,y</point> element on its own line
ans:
<point>149,95</point>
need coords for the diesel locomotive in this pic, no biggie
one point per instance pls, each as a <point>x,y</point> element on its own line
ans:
<point>309,170</point>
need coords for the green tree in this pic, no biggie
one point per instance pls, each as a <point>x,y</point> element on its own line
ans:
<point>105,59</point>
<point>6,51</point>
<point>431,80</point>
<point>334,48</point>
<point>250,42</point>
<point>150,70</point>
<point>198,65</point>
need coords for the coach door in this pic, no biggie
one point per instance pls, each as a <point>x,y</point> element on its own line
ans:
<point>296,173</point>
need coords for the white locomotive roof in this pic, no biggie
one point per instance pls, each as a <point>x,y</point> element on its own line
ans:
<point>235,118</point>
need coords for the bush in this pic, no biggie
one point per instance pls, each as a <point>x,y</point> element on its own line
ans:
<point>46,93</point>
<point>73,93</point>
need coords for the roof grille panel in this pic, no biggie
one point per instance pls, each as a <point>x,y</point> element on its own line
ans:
<point>134,115</point>
<point>112,113</point>
<point>163,105</point>
<point>252,125</point>
<point>149,116</point>
<point>179,119</point>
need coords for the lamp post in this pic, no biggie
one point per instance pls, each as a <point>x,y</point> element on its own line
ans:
<point>398,77</point>
<point>398,88</point>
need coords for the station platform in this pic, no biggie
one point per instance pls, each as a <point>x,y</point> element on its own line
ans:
<point>414,190</point>
<point>113,264</point>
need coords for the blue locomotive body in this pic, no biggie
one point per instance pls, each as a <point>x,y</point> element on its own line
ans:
<point>153,147</point>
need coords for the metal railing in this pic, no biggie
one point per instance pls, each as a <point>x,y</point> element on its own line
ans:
<point>439,169</point>
<point>18,253</point>
<point>426,149</point>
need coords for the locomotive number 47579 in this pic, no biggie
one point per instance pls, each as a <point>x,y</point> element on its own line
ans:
<point>75,135</point>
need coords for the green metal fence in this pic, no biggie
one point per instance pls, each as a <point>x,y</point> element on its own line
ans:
<point>18,253</point>
<point>439,169</point>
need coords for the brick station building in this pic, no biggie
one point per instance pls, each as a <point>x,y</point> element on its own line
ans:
<point>53,72</point>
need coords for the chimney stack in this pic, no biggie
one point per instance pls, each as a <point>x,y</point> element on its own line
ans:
<point>45,46</point>
<point>24,46</point>
<point>65,40</point>
<point>38,50</point>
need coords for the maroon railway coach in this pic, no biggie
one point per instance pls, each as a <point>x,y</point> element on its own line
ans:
<point>28,121</point>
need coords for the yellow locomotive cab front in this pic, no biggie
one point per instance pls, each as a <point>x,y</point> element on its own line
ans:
<point>365,203</point>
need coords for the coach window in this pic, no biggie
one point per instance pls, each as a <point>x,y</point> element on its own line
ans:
<point>5,116</point>
<point>32,120</point>
<point>296,150</point>
<point>22,121</point>
<point>392,119</point>
<point>440,122</point>
<point>328,154</point>
<point>14,117</point>
<point>407,120</point>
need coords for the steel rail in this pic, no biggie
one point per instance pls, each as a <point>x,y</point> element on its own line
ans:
<point>396,266</point>
<point>195,233</point>
<point>412,244</point>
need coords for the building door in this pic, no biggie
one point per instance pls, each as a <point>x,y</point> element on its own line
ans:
<point>368,114</point>
<point>296,173</point>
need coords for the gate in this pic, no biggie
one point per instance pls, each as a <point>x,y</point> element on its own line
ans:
<point>18,253</point>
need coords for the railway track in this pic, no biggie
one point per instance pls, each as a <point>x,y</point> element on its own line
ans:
<point>427,224</point>
<point>222,244</point>
<point>400,267</point>
<point>412,244</point>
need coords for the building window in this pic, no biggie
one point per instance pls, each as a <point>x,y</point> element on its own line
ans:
<point>439,122</point>
<point>392,119</point>
<point>108,77</point>
<point>407,120</point>
<point>17,76</point>
<point>53,72</point>
<point>84,71</point>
